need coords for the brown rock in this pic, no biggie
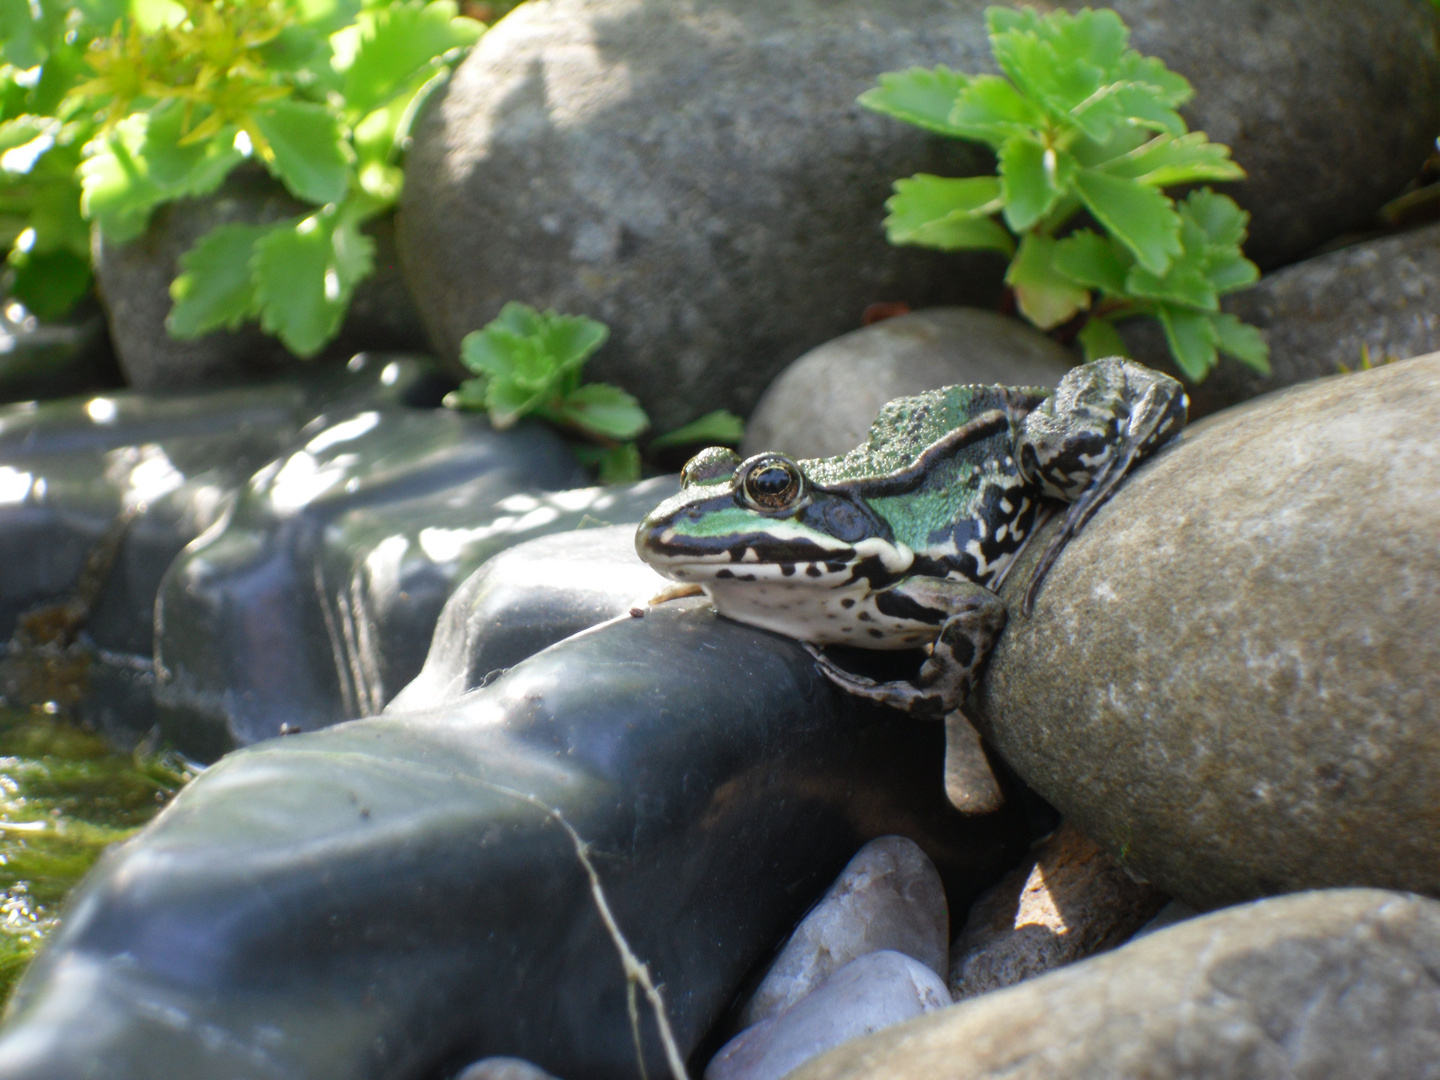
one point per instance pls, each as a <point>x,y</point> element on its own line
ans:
<point>1071,900</point>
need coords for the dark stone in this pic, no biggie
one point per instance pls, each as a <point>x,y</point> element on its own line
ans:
<point>316,600</point>
<point>134,282</point>
<point>1229,678</point>
<point>699,176</point>
<point>161,469</point>
<point>824,403</point>
<point>1380,297</point>
<point>376,901</point>
<point>537,593</point>
<point>1336,983</point>
<point>44,360</point>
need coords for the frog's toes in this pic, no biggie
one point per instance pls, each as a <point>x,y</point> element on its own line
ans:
<point>970,782</point>
<point>899,695</point>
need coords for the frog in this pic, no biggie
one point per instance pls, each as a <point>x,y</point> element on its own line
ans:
<point>904,542</point>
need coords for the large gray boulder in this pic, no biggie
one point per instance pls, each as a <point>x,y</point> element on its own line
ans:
<point>1231,679</point>
<point>699,176</point>
<point>1336,983</point>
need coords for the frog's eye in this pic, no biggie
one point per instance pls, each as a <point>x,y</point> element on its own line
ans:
<point>710,466</point>
<point>772,483</point>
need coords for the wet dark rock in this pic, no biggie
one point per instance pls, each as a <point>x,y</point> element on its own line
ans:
<point>537,593</point>
<point>824,403</point>
<point>888,897</point>
<point>387,899</point>
<point>63,358</point>
<point>134,282</point>
<point>165,468</point>
<point>1229,680</point>
<point>1067,902</point>
<point>1338,983</point>
<point>739,226</point>
<point>1379,298</point>
<point>316,599</point>
<point>872,992</point>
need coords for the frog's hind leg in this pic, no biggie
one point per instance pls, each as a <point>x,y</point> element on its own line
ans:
<point>970,618</point>
<point>1082,442</point>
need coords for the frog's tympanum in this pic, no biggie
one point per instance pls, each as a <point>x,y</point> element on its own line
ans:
<point>899,543</point>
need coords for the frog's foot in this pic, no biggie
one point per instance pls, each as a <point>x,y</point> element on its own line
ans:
<point>970,783</point>
<point>1083,441</point>
<point>970,619</point>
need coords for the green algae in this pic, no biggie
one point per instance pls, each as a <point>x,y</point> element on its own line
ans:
<point>65,796</point>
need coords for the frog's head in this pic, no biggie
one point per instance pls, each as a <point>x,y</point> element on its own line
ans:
<point>763,519</point>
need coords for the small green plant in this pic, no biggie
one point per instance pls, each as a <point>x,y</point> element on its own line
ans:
<point>1081,122</point>
<point>113,107</point>
<point>528,363</point>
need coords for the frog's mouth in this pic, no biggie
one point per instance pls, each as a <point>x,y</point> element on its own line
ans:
<point>800,561</point>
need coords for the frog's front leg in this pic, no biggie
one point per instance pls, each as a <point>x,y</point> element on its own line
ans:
<point>1080,443</point>
<point>969,616</point>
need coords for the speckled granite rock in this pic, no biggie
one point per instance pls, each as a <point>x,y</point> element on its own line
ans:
<point>824,403</point>
<point>730,231</point>
<point>1379,295</point>
<point>888,897</point>
<point>1336,983</point>
<point>1231,679</point>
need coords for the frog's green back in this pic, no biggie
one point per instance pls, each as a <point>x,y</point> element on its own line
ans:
<point>923,513</point>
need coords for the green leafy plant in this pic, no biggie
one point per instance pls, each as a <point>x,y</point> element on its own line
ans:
<point>528,363</point>
<point>1079,122</point>
<point>122,105</point>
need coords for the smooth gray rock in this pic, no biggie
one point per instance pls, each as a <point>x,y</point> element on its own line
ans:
<point>698,175</point>
<point>134,283</point>
<point>535,594</point>
<point>888,897</point>
<point>824,403</point>
<point>870,993</point>
<point>1320,317</point>
<point>1342,983</point>
<point>503,1068</point>
<point>390,899</point>
<point>1230,679</point>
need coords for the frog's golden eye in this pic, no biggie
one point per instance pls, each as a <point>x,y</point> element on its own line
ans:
<point>772,483</point>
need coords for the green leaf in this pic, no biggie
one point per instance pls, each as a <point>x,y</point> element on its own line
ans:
<point>468,396</point>
<point>304,276</point>
<point>49,283</point>
<point>603,410</point>
<point>1092,260</point>
<point>21,42</point>
<point>1045,296</point>
<point>397,41</point>
<point>990,110</point>
<point>616,465</point>
<point>1033,177</point>
<point>1242,341</point>
<point>216,288</point>
<point>143,163</point>
<point>718,428</point>
<point>919,96</point>
<point>1140,217</point>
<point>1231,271</point>
<point>326,16</point>
<point>1191,336</point>
<point>1100,339</point>
<point>935,211</point>
<point>507,401</point>
<point>312,156</point>
<point>1217,216</point>
<point>1150,74</point>
<point>1166,160</point>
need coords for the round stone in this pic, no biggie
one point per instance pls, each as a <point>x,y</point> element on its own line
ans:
<point>1230,678</point>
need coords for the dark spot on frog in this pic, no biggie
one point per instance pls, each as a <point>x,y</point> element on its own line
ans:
<point>875,632</point>
<point>745,577</point>
<point>787,569</point>
<point>847,603</point>
<point>723,573</point>
<point>864,616</point>
<point>813,570</point>
<point>835,567</point>
<point>964,650</point>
